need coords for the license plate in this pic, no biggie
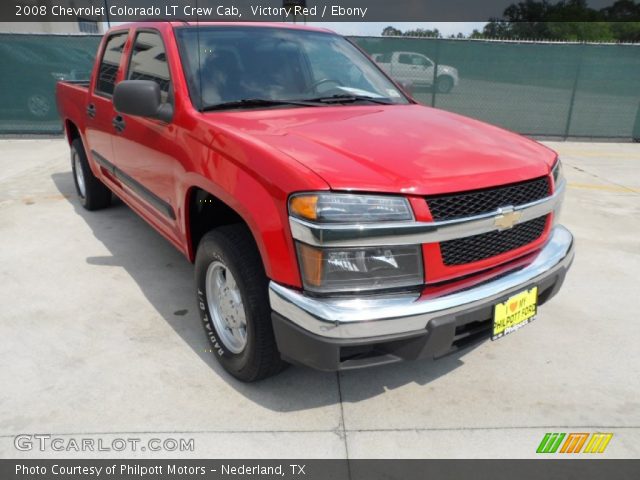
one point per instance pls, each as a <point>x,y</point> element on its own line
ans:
<point>515,313</point>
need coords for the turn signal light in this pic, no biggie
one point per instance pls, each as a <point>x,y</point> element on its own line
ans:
<point>304,206</point>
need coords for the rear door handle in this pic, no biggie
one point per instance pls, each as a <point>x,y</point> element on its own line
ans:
<point>118,123</point>
<point>91,110</point>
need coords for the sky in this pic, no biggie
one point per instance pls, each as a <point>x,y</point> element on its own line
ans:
<point>375,28</point>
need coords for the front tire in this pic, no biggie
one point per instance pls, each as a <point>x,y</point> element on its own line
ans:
<point>234,304</point>
<point>92,193</point>
<point>444,84</point>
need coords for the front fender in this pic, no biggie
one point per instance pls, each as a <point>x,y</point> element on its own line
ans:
<point>265,216</point>
<point>256,184</point>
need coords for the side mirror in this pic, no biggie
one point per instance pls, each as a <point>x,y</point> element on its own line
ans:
<point>142,99</point>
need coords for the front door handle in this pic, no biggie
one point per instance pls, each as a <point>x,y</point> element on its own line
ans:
<point>118,123</point>
<point>91,110</point>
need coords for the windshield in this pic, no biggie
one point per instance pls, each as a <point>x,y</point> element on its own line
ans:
<point>230,64</point>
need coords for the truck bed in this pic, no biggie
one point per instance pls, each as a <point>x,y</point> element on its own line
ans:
<point>79,83</point>
<point>71,98</point>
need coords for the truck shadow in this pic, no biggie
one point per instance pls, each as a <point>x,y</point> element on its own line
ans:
<point>145,255</point>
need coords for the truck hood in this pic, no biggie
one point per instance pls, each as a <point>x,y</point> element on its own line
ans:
<point>410,149</point>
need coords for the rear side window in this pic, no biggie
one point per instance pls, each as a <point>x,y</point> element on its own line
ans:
<point>110,63</point>
<point>149,62</point>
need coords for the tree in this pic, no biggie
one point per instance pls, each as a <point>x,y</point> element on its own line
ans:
<point>418,32</point>
<point>497,29</point>
<point>570,20</point>
<point>391,32</point>
<point>622,10</point>
<point>628,32</point>
<point>582,31</point>
<point>624,31</point>
<point>422,32</point>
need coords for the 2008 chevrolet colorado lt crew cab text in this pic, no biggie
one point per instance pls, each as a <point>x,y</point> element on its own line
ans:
<point>333,221</point>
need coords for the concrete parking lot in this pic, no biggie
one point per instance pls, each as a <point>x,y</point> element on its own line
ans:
<point>100,338</point>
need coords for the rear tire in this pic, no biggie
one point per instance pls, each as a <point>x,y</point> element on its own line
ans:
<point>234,305</point>
<point>92,193</point>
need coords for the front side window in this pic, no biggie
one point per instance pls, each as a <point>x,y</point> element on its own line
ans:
<point>110,63</point>
<point>418,60</point>
<point>405,59</point>
<point>149,62</point>
<point>230,64</point>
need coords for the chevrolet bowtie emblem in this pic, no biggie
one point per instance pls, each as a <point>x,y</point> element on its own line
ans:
<point>506,218</point>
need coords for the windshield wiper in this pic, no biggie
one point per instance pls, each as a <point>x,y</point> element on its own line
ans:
<point>350,98</point>
<point>258,102</point>
<point>307,102</point>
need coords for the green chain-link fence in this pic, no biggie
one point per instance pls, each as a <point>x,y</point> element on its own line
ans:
<point>542,89</point>
<point>31,66</point>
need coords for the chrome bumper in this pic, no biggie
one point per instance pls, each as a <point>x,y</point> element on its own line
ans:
<point>373,316</point>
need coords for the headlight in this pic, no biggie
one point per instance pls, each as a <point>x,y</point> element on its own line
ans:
<point>357,269</point>
<point>349,208</point>
<point>353,269</point>
<point>558,177</point>
<point>557,173</point>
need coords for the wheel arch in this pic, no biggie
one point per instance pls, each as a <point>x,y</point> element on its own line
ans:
<point>267,220</point>
<point>71,131</point>
<point>204,211</point>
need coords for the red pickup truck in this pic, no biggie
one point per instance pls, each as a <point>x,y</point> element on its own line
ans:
<point>333,221</point>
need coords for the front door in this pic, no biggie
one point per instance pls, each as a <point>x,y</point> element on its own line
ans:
<point>143,146</point>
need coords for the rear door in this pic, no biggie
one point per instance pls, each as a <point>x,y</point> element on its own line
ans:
<point>144,147</point>
<point>428,68</point>
<point>99,110</point>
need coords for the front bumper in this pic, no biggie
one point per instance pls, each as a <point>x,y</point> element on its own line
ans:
<point>345,333</point>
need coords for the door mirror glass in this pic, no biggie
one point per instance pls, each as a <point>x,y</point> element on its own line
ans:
<point>141,98</point>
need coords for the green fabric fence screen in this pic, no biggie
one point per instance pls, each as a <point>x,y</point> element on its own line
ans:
<point>31,66</point>
<point>540,89</point>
